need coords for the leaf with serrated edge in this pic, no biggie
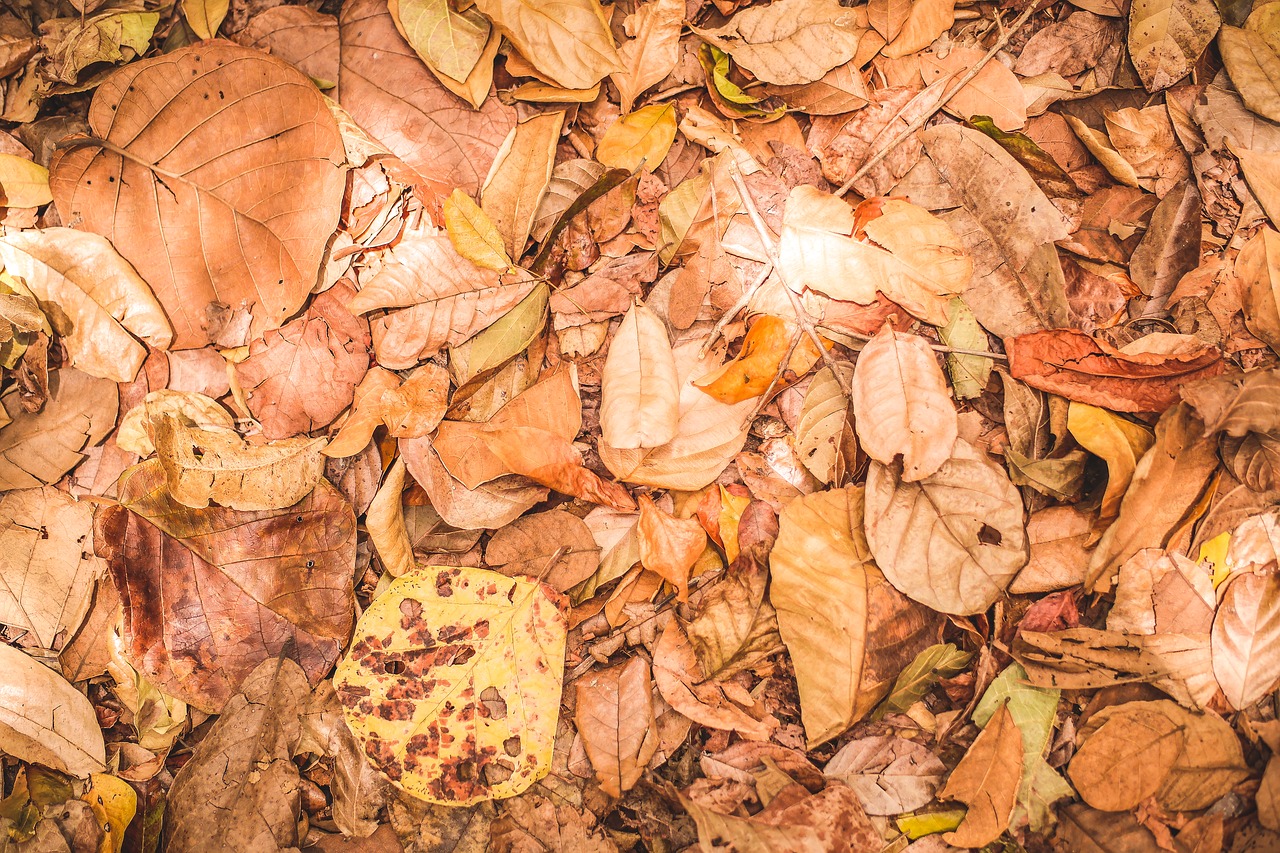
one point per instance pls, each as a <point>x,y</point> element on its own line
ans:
<point>453,670</point>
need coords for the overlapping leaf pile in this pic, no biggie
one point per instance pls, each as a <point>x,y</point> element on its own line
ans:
<point>656,425</point>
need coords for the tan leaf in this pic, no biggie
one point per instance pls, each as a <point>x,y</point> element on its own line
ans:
<point>986,780</point>
<point>1059,537</point>
<point>791,42</point>
<point>204,16</point>
<point>47,566</point>
<point>528,545</point>
<point>1258,266</point>
<point>416,407</point>
<point>519,177</point>
<point>473,234</point>
<point>448,41</point>
<point>1246,631</point>
<point>1268,796</point>
<point>385,522</point>
<point>365,415</point>
<point>952,541</point>
<point>136,432</point>
<point>569,180</point>
<point>254,204</point>
<point>637,139</point>
<point>927,20</point>
<point>302,37</point>
<point>1126,757</point>
<point>496,347</point>
<point>669,546</point>
<point>1254,68</point>
<point>490,506</point>
<point>23,183</point>
<point>840,90</point>
<point>995,91</point>
<point>640,390</point>
<point>891,775</point>
<point>652,50</point>
<point>614,716</point>
<point>95,300</point>
<point>1118,442</point>
<point>902,404</point>
<point>36,450</point>
<point>206,465</point>
<point>567,41</point>
<point>822,433</point>
<point>1262,171</point>
<point>1166,37</point>
<point>44,719</point>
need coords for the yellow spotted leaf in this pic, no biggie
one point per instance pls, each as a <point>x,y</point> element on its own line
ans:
<point>452,683</point>
<point>641,138</point>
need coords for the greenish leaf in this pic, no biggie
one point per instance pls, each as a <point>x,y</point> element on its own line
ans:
<point>502,341</point>
<point>944,660</point>
<point>969,373</point>
<point>448,41</point>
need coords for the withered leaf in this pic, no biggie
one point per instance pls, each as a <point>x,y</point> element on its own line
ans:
<point>527,545</point>
<point>986,780</point>
<point>46,720</point>
<point>615,718</point>
<point>37,449</point>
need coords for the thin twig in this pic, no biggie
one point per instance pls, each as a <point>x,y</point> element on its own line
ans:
<point>994,356</point>
<point>742,302</point>
<point>956,86</point>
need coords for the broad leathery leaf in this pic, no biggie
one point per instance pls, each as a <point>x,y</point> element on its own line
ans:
<point>791,42</point>
<point>135,431</point>
<point>926,20</point>
<point>931,261</point>
<point>203,465</point>
<point>204,16</point>
<point>47,566</point>
<point>305,38</point>
<point>995,92</point>
<point>669,546</point>
<point>73,44</point>
<point>641,138</point>
<point>530,544</point>
<point>1007,224</point>
<point>446,298</point>
<point>891,775</point>
<point>36,450</point>
<point>614,716</point>
<point>969,373</point>
<point>652,50</point>
<point>708,435</point>
<point>823,429</point>
<point>490,506</point>
<point>569,180</point>
<point>1130,750</point>
<point>1245,638</point>
<point>567,41</point>
<point>449,42</point>
<point>902,404</point>
<point>952,541</point>
<point>943,660</point>
<point>504,340</point>
<point>1254,67</point>
<point>840,90</point>
<point>23,183</point>
<point>114,803</point>
<point>640,391</point>
<point>453,671</point>
<point>1166,37</point>
<point>986,780</point>
<point>101,303</point>
<point>473,234</point>
<point>519,177</point>
<point>44,719</point>
<point>227,199</point>
<point>758,365</point>
<point>1262,171</point>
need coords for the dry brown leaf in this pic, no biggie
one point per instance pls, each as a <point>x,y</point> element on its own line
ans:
<point>652,50</point>
<point>926,20</point>
<point>37,449</point>
<point>824,430</point>
<point>1166,37</point>
<point>385,522</point>
<point>1254,67</point>
<point>567,41</point>
<point>214,209</point>
<point>136,433</point>
<point>302,37</point>
<point>451,43</point>
<point>528,545</point>
<point>365,415</point>
<point>615,719</point>
<point>952,541</point>
<point>995,91</point>
<point>1059,538</point>
<point>44,719</point>
<point>986,780</point>
<point>489,506</point>
<point>669,546</point>
<point>891,775</point>
<point>518,179</point>
<point>640,390</point>
<point>1246,631</point>
<point>47,564</point>
<point>416,406</point>
<point>902,404</point>
<point>1126,757</point>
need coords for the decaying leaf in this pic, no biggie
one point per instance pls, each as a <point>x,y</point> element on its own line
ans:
<point>1246,630</point>
<point>452,683</point>
<point>615,718</point>
<point>37,449</point>
<point>44,719</point>
<point>986,780</point>
<point>1167,36</point>
<point>891,775</point>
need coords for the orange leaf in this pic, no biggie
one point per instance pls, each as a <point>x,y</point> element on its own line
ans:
<point>749,374</point>
<point>668,545</point>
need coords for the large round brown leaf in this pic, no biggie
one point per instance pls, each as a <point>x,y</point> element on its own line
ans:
<point>220,180</point>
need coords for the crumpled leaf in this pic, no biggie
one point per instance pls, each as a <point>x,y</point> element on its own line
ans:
<point>241,782</point>
<point>567,41</point>
<point>758,366</point>
<point>37,449</point>
<point>831,821</point>
<point>453,671</point>
<point>615,718</point>
<point>651,52</point>
<point>669,546</point>
<point>47,564</point>
<point>44,719</point>
<point>252,205</point>
<point>136,432</point>
<point>640,390</point>
<point>952,541</point>
<point>890,775</point>
<point>641,138</point>
<point>519,177</point>
<point>986,780</point>
<point>902,404</point>
<point>1118,442</point>
<point>1167,36</point>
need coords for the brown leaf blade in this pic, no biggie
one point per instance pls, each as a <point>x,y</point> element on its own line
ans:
<point>986,780</point>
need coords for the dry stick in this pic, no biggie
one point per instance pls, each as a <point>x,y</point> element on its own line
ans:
<point>728,316</point>
<point>959,84</point>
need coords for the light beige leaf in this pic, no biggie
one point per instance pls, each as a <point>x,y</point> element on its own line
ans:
<point>491,505</point>
<point>519,177</point>
<point>1262,171</point>
<point>995,91</point>
<point>952,541</point>
<point>135,431</point>
<point>1246,639</point>
<point>1100,146</point>
<point>47,564</point>
<point>567,40</point>
<point>891,774</point>
<point>36,450</point>
<point>92,296</point>
<point>1059,536</point>
<point>385,522</point>
<point>927,20</point>
<point>1166,37</point>
<point>206,465</point>
<point>473,234</point>
<point>708,435</point>
<point>986,780</point>
<point>1126,757</point>
<point>902,404</point>
<point>44,719</point>
<point>791,42</point>
<point>652,50</point>
<point>640,391</point>
<point>569,180</point>
<point>641,138</point>
<point>1008,226</point>
<point>204,16</point>
<point>23,183</point>
<point>614,716</point>
<point>450,42</point>
<point>1254,68</point>
<point>824,425</point>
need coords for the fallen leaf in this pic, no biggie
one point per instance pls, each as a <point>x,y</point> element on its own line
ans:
<point>941,660</point>
<point>831,821</point>
<point>452,683</point>
<point>758,366</point>
<point>1254,68</point>
<point>519,176</point>
<point>952,541</point>
<point>640,139</point>
<point>491,505</point>
<point>567,41</point>
<point>385,522</point>
<point>926,20</point>
<point>44,719</point>
<point>302,37</point>
<point>473,234</point>
<point>1167,36</point>
<point>37,449</point>
<point>995,92</point>
<point>1126,757</point>
<point>615,718</point>
<point>669,546</point>
<point>902,404</point>
<point>23,183</point>
<point>651,52</point>
<point>1246,629</point>
<point>246,241</point>
<point>986,780</point>
<point>890,775</point>
<point>365,415</point>
<point>1117,441</point>
<point>640,390</point>
<point>554,540</point>
<point>824,431</point>
<point>416,407</point>
<point>448,41</point>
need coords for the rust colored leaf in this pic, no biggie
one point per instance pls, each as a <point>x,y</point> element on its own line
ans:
<point>1142,377</point>
<point>302,37</point>
<point>668,545</point>
<point>221,191</point>
<point>986,780</point>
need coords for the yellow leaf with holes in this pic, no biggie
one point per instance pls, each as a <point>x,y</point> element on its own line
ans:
<point>452,683</point>
<point>114,803</point>
<point>640,138</point>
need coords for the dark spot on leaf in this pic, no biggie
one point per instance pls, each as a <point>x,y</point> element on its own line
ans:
<point>988,535</point>
<point>512,745</point>
<point>393,667</point>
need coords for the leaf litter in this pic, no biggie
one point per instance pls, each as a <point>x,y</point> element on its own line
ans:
<point>646,425</point>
